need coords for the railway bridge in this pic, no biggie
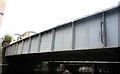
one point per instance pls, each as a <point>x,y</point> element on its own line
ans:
<point>92,40</point>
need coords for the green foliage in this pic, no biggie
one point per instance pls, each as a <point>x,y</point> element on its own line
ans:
<point>8,38</point>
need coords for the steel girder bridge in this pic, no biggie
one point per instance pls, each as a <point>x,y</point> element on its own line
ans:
<point>94,40</point>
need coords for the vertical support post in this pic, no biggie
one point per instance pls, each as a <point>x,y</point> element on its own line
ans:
<point>22,46</point>
<point>29,46</point>
<point>16,48</point>
<point>39,43</point>
<point>73,36</point>
<point>104,30</point>
<point>53,40</point>
<point>13,50</point>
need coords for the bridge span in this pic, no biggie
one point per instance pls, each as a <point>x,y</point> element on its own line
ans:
<point>94,38</point>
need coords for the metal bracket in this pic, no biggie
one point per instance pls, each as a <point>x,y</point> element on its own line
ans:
<point>103,30</point>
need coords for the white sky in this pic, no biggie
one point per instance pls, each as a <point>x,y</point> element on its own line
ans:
<point>38,15</point>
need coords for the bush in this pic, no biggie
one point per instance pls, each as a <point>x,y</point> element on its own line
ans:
<point>8,38</point>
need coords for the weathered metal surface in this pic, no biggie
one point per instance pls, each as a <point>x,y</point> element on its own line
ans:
<point>46,40</point>
<point>63,38</point>
<point>20,44</point>
<point>25,46</point>
<point>112,27</point>
<point>96,31</point>
<point>87,33</point>
<point>34,47</point>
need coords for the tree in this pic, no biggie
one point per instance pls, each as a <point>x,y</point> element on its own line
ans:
<point>6,40</point>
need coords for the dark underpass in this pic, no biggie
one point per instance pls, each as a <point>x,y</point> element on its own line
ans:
<point>100,61</point>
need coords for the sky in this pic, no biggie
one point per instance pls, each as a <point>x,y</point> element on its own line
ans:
<point>39,15</point>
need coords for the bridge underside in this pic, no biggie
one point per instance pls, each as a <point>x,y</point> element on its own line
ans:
<point>104,54</point>
<point>30,62</point>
